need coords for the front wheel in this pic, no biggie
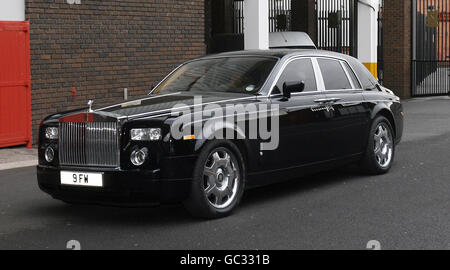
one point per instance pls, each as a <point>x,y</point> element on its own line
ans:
<point>380,150</point>
<point>218,182</point>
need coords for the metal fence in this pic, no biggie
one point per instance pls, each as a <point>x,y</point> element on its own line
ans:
<point>337,26</point>
<point>431,47</point>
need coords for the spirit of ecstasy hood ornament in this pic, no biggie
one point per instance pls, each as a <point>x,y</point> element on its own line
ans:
<point>90,102</point>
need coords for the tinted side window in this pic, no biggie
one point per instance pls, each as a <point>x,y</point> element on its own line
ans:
<point>364,75</point>
<point>299,70</point>
<point>333,75</point>
<point>352,76</point>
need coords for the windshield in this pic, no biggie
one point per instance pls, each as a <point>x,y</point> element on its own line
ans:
<point>229,74</point>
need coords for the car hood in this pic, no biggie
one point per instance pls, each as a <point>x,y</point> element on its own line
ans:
<point>160,105</point>
<point>164,105</point>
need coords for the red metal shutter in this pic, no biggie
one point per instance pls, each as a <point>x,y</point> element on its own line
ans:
<point>15,89</point>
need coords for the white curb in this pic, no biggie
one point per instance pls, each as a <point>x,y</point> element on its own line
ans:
<point>20,164</point>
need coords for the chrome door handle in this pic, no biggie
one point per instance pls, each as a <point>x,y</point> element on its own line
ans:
<point>322,100</point>
<point>327,100</point>
<point>334,100</point>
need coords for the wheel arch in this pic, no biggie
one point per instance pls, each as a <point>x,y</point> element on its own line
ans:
<point>385,112</point>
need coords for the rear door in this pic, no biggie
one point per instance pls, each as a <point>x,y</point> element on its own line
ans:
<point>344,99</point>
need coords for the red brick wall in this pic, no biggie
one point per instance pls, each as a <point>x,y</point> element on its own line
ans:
<point>397,47</point>
<point>101,47</point>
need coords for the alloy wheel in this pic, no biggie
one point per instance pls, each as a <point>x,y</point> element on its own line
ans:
<point>383,146</point>
<point>221,178</point>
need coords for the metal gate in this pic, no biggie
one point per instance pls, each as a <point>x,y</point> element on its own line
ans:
<point>280,16</point>
<point>337,26</point>
<point>431,47</point>
<point>15,97</point>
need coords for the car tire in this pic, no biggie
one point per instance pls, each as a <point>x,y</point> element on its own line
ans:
<point>380,151</point>
<point>218,181</point>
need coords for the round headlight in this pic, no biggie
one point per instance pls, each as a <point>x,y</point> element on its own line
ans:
<point>139,156</point>
<point>49,154</point>
<point>51,133</point>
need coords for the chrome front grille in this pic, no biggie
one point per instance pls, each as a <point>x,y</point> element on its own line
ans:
<point>89,144</point>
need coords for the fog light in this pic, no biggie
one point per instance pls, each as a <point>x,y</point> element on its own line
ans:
<point>139,156</point>
<point>49,154</point>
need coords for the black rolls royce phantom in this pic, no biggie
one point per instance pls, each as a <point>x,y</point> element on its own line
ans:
<point>218,125</point>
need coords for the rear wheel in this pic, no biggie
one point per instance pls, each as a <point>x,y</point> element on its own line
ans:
<point>380,150</point>
<point>218,183</point>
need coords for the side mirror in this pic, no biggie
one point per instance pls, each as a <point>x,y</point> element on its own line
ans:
<point>292,87</point>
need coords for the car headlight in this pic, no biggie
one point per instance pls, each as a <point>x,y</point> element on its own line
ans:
<point>51,133</point>
<point>146,134</point>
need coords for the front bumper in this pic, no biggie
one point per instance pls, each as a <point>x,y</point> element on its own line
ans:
<point>119,187</point>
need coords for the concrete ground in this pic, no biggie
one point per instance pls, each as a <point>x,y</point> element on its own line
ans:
<point>17,157</point>
<point>405,209</point>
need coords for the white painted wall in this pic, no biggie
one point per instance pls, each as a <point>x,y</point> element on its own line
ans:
<point>368,30</point>
<point>256,24</point>
<point>12,10</point>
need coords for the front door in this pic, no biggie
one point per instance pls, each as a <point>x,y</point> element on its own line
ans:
<point>302,124</point>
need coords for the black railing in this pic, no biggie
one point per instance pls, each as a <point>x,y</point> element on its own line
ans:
<point>238,18</point>
<point>431,47</point>
<point>337,26</point>
<point>431,77</point>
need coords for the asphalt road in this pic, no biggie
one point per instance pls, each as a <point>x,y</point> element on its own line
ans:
<point>405,209</point>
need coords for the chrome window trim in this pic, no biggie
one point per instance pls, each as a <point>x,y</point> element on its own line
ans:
<point>318,73</point>
<point>354,73</point>
<point>348,75</point>
<point>345,71</point>
<point>278,69</point>
<point>282,69</point>
<point>319,76</point>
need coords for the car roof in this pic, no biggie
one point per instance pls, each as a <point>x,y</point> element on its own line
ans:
<point>279,53</point>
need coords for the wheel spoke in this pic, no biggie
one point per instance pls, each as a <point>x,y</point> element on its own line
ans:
<point>218,197</point>
<point>227,160</point>
<point>228,191</point>
<point>377,137</point>
<point>216,157</point>
<point>210,190</point>
<point>377,148</point>
<point>209,172</point>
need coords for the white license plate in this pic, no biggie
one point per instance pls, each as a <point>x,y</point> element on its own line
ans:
<point>82,179</point>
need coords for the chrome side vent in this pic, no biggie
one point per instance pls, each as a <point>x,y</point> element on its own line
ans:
<point>93,144</point>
